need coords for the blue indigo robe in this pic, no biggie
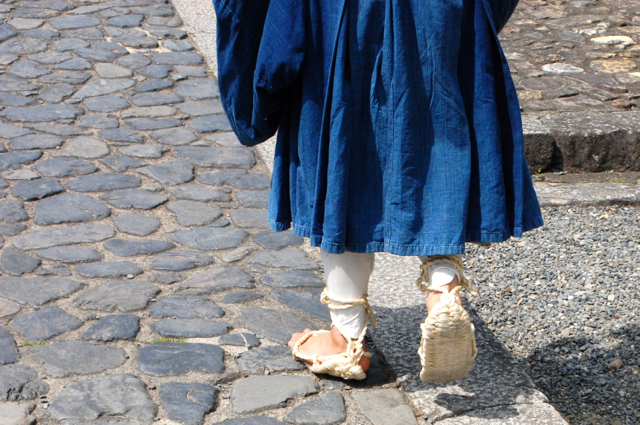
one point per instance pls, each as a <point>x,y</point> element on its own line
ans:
<point>399,127</point>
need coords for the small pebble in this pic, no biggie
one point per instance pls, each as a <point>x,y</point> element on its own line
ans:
<point>615,365</point>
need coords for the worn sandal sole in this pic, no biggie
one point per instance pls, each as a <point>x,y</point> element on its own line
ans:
<point>448,346</point>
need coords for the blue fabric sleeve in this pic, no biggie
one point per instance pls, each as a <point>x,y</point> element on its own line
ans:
<point>501,11</point>
<point>259,55</point>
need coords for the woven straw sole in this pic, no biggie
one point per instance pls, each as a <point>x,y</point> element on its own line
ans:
<point>448,346</point>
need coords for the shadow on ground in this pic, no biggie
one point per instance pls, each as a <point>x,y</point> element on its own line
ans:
<point>574,374</point>
<point>494,388</point>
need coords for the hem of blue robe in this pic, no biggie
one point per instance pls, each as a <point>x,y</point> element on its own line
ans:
<point>401,249</point>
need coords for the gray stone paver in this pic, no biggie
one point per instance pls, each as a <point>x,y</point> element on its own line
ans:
<point>117,163</point>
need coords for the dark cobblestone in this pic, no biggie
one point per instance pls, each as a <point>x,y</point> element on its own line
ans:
<point>11,159</point>
<point>173,58</point>
<point>186,307</point>
<point>276,325</point>
<point>64,167</point>
<point>155,99</point>
<point>284,258</point>
<point>154,85</point>
<point>37,291</point>
<point>136,224</point>
<point>42,113</point>
<point>68,235</point>
<point>126,248</point>
<point>103,182</point>
<point>12,211</point>
<point>98,121</point>
<point>134,198</point>
<point>113,327</point>
<point>276,358</point>
<point>174,136</point>
<point>155,71</point>
<point>243,339</point>
<point>188,402</point>
<point>121,295</point>
<point>8,350</point>
<point>36,189</point>
<point>177,260</point>
<point>122,163</point>
<point>17,263</point>
<point>14,380</point>
<point>253,199</point>
<point>170,173</point>
<point>108,269</point>
<point>250,218</point>
<point>88,358</point>
<point>121,135</point>
<point>198,89</point>
<point>190,328</point>
<point>241,297</point>
<point>210,123</point>
<point>277,240</point>
<point>192,213</point>
<point>45,323</point>
<point>218,278</point>
<point>217,157</point>
<point>256,394</point>
<point>196,192</point>
<point>70,254</point>
<point>326,409</point>
<point>111,397</point>
<point>35,141</point>
<point>305,300</point>
<point>106,103</point>
<point>171,359</point>
<point>70,208</point>
<point>206,238</point>
<point>84,147</point>
<point>292,279</point>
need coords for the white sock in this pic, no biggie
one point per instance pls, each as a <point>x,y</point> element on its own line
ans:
<point>440,274</point>
<point>347,277</point>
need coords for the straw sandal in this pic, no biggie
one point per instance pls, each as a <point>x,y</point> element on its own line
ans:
<point>343,365</point>
<point>448,346</point>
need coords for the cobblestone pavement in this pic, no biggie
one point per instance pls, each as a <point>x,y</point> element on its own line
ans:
<point>572,55</point>
<point>139,282</point>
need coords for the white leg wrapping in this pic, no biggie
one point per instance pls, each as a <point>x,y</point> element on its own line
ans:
<point>440,273</point>
<point>347,278</point>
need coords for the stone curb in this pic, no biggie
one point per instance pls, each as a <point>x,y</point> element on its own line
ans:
<point>587,194</point>
<point>583,141</point>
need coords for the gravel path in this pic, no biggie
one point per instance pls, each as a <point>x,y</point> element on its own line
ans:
<point>564,300</point>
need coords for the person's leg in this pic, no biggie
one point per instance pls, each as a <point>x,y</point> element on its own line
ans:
<point>441,274</point>
<point>347,278</point>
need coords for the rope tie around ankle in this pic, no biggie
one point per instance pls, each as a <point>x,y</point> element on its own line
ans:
<point>455,261</point>
<point>348,303</point>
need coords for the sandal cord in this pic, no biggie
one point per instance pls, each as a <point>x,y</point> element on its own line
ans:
<point>348,303</point>
<point>455,261</point>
